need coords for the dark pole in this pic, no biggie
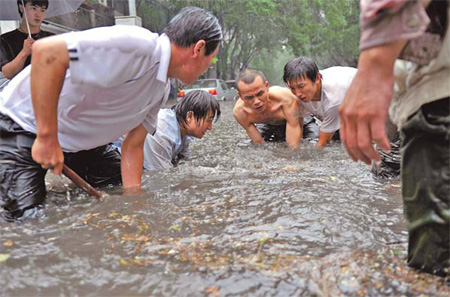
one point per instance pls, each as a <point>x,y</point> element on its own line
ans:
<point>76,179</point>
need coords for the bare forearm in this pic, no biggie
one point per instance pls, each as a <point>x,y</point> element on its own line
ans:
<point>293,137</point>
<point>380,59</point>
<point>15,66</point>
<point>132,164</point>
<point>50,62</point>
<point>133,157</point>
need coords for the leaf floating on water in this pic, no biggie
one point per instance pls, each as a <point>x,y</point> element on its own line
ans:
<point>123,262</point>
<point>114,215</point>
<point>332,177</point>
<point>289,168</point>
<point>263,240</point>
<point>4,257</point>
<point>397,252</point>
<point>8,243</point>
<point>175,227</point>
<point>396,185</point>
<point>213,291</point>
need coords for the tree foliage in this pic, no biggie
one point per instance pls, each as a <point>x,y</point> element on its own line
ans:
<point>255,31</point>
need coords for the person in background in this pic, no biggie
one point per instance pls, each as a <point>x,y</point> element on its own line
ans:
<point>320,93</point>
<point>84,91</point>
<point>15,46</point>
<point>275,108</point>
<point>189,118</point>
<point>417,33</point>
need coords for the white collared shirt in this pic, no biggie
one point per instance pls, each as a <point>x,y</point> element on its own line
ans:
<point>117,80</point>
<point>335,82</point>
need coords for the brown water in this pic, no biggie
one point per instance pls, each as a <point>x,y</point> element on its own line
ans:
<point>236,220</point>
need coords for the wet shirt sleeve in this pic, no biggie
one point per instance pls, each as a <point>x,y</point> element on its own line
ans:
<point>158,152</point>
<point>159,149</point>
<point>330,121</point>
<point>110,56</point>
<point>386,21</point>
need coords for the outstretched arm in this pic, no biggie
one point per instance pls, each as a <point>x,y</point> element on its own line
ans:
<point>365,107</point>
<point>50,61</point>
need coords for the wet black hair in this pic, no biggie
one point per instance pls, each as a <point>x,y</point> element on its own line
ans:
<point>40,3</point>
<point>200,103</point>
<point>249,75</point>
<point>193,24</point>
<point>300,67</point>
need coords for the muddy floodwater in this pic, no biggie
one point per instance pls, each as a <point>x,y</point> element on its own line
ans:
<point>235,220</point>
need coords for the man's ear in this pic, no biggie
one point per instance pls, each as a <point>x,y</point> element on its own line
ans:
<point>267,84</point>
<point>318,78</point>
<point>199,48</point>
<point>189,116</point>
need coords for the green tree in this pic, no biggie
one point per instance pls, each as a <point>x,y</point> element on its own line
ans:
<point>257,31</point>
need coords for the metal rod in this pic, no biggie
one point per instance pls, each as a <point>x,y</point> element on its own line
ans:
<point>26,19</point>
<point>76,179</point>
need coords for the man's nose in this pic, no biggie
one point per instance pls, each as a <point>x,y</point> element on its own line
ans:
<point>298,93</point>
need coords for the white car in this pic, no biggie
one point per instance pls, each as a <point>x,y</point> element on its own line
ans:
<point>216,87</point>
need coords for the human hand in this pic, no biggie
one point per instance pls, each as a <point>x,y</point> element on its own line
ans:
<point>48,153</point>
<point>363,114</point>
<point>27,45</point>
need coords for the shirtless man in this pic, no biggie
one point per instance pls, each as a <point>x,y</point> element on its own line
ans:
<point>274,106</point>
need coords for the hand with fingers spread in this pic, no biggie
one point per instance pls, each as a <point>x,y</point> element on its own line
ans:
<point>364,110</point>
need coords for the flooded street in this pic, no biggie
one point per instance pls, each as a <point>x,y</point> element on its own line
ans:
<point>235,220</point>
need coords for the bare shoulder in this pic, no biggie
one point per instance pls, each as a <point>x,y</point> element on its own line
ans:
<point>283,95</point>
<point>239,110</point>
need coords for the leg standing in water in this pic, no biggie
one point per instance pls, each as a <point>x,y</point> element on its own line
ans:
<point>420,108</point>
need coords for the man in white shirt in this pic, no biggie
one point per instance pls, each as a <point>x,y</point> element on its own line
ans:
<point>319,92</point>
<point>177,126</point>
<point>86,89</point>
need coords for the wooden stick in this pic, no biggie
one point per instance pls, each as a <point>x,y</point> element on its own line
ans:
<point>76,179</point>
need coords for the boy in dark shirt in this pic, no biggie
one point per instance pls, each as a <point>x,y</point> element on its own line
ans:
<point>15,46</point>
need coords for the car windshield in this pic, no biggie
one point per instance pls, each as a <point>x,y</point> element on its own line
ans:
<point>203,84</point>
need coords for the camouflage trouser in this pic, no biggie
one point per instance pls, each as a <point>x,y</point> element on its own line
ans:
<point>426,186</point>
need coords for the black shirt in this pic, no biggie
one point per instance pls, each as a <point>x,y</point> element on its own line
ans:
<point>11,43</point>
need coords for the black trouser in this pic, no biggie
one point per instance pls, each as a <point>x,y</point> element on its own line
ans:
<point>426,186</point>
<point>22,184</point>
<point>278,132</point>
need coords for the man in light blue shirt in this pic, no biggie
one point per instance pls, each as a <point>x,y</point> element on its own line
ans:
<point>176,128</point>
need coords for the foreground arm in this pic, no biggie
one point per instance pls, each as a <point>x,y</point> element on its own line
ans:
<point>50,62</point>
<point>365,107</point>
<point>133,158</point>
